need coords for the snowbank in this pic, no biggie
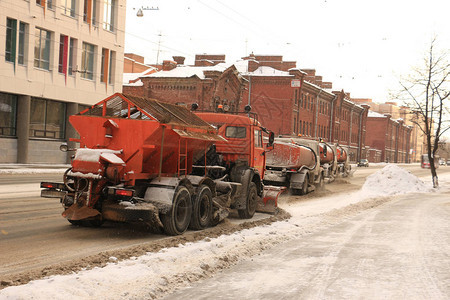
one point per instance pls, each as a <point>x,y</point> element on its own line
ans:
<point>393,180</point>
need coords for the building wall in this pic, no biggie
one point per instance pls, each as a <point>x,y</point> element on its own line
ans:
<point>390,136</point>
<point>22,79</point>
<point>272,99</point>
<point>8,150</point>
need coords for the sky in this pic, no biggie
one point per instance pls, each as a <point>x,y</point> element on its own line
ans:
<point>158,273</point>
<point>362,47</point>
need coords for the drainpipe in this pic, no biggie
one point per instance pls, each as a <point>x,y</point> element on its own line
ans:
<point>350,132</point>
<point>317,113</point>
<point>360,135</point>
<point>331,119</point>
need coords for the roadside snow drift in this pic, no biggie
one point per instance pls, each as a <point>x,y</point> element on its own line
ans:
<point>393,180</point>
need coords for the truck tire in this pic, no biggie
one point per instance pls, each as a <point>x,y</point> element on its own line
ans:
<point>176,221</point>
<point>304,189</point>
<point>321,183</point>
<point>251,203</point>
<point>202,209</point>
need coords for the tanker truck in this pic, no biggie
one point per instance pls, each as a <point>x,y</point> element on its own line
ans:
<point>343,165</point>
<point>328,160</point>
<point>294,163</point>
<point>139,160</point>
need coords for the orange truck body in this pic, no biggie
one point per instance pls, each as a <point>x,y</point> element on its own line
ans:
<point>143,160</point>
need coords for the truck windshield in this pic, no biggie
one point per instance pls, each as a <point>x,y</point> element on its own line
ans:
<point>235,132</point>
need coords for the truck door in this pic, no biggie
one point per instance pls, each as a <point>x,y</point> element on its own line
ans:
<point>259,159</point>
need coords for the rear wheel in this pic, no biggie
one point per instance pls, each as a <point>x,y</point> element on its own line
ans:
<point>321,183</point>
<point>251,203</point>
<point>176,221</point>
<point>202,209</point>
<point>304,189</point>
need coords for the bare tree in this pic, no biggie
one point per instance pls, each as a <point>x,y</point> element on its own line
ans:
<point>427,92</point>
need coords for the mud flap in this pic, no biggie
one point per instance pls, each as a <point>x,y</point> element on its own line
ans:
<point>268,203</point>
<point>75,212</point>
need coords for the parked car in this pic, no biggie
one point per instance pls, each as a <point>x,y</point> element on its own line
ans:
<point>363,163</point>
<point>442,162</point>
<point>448,162</point>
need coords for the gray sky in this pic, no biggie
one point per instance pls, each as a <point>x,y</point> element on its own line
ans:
<point>361,46</point>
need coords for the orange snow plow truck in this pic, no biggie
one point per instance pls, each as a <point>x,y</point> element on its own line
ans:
<point>140,160</point>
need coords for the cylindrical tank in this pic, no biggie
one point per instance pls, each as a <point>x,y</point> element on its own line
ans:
<point>326,154</point>
<point>289,156</point>
<point>341,155</point>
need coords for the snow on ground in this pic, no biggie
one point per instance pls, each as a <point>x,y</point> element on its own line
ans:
<point>154,274</point>
<point>27,171</point>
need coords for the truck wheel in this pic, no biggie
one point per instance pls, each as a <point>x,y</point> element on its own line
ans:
<point>304,189</point>
<point>202,209</point>
<point>321,183</point>
<point>252,201</point>
<point>176,221</point>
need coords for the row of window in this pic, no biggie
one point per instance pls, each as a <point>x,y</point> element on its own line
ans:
<point>90,10</point>
<point>67,60</point>
<point>47,117</point>
<point>172,87</point>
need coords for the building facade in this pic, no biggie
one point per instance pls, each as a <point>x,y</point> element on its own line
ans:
<point>417,139</point>
<point>391,136</point>
<point>58,57</point>
<point>210,84</point>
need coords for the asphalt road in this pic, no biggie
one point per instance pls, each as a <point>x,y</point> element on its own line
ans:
<point>33,234</point>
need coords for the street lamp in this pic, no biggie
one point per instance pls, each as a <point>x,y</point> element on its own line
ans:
<point>140,12</point>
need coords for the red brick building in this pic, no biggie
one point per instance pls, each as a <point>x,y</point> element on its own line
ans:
<point>390,136</point>
<point>208,83</point>
<point>288,101</point>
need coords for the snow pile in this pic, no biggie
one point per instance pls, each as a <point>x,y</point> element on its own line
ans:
<point>393,180</point>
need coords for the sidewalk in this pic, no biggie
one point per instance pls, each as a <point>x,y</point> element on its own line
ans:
<point>33,168</point>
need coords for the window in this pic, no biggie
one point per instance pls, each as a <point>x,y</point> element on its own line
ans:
<point>112,58</point>
<point>258,139</point>
<point>42,2</point>
<point>235,132</point>
<point>90,11</point>
<point>108,14</point>
<point>48,118</point>
<point>87,61</point>
<point>63,47</point>
<point>106,74</point>
<point>42,49</point>
<point>68,7</point>
<point>23,38</point>
<point>72,47</point>
<point>66,53</point>
<point>10,47</point>
<point>8,114</point>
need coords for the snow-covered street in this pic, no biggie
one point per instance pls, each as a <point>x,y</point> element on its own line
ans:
<point>381,242</point>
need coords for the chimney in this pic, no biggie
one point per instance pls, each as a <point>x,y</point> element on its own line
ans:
<point>169,65</point>
<point>179,59</point>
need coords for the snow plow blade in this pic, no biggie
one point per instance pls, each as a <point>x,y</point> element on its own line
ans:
<point>269,201</point>
<point>75,212</point>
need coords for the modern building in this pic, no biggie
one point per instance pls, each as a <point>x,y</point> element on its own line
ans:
<point>57,58</point>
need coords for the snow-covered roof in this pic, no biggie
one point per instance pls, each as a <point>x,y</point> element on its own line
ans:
<point>182,71</point>
<point>374,114</point>
<point>127,77</point>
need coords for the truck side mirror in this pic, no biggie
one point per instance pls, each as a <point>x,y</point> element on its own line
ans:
<point>271,138</point>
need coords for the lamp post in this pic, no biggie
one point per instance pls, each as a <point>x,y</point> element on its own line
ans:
<point>140,12</point>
